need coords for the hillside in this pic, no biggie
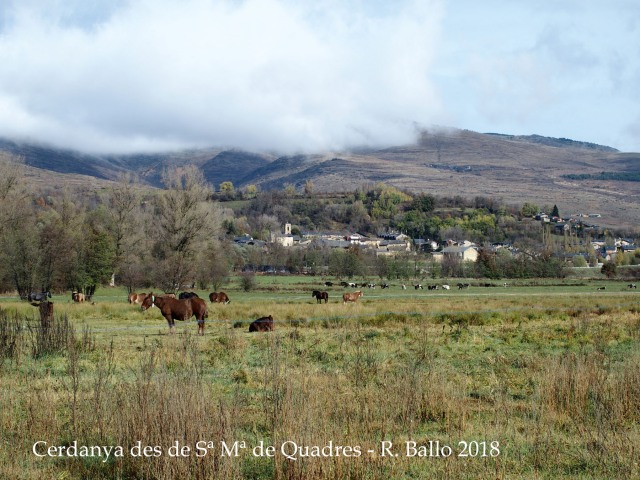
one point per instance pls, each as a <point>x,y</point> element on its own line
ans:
<point>443,162</point>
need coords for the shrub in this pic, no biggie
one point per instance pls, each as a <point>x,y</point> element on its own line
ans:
<point>248,281</point>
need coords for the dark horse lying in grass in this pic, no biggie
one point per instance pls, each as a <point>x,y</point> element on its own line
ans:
<point>173,309</point>
<point>264,324</point>
<point>219,297</point>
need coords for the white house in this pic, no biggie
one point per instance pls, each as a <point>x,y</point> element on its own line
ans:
<point>463,253</point>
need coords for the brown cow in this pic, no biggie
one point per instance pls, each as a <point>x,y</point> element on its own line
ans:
<point>219,297</point>
<point>319,296</point>
<point>77,297</point>
<point>173,309</point>
<point>263,324</point>
<point>351,297</point>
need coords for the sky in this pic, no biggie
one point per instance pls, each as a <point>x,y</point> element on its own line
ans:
<point>122,76</point>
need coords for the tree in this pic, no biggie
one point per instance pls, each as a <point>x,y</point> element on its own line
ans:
<point>264,226</point>
<point>185,226</point>
<point>452,266</point>
<point>289,190</point>
<point>423,203</point>
<point>61,230</point>
<point>383,200</point>
<point>20,251</point>
<point>215,269</point>
<point>98,257</point>
<point>251,191</point>
<point>579,261</point>
<point>609,269</point>
<point>529,209</point>
<point>227,188</point>
<point>555,212</point>
<point>18,233</point>
<point>308,188</point>
<point>345,263</point>
<point>248,281</point>
<point>125,228</point>
<point>486,265</point>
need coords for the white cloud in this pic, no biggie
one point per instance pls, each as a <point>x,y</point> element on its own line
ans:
<point>261,74</point>
<point>122,75</point>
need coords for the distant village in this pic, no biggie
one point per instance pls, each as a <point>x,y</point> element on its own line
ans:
<point>395,243</point>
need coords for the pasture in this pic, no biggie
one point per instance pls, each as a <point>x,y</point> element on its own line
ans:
<point>538,380</point>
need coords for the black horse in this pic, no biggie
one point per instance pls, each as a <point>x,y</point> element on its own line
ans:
<point>319,296</point>
<point>185,295</point>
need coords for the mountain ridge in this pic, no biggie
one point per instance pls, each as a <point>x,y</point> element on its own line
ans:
<point>515,168</point>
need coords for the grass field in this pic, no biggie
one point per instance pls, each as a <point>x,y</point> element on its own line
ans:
<point>536,380</point>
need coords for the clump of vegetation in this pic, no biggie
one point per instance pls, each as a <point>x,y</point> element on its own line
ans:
<point>248,281</point>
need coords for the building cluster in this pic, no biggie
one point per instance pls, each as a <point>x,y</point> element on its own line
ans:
<point>382,244</point>
<point>605,250</point>
<point>394,243</point>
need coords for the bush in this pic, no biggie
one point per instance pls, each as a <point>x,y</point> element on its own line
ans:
<point>579,261</point>
<point>248,281</point>
<point>609,269</point>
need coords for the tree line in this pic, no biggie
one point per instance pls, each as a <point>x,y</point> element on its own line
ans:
<point>155,237</point>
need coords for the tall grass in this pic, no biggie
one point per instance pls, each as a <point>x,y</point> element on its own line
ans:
<point>559,392</point>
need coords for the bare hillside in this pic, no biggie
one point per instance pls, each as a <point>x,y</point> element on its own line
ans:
<point>443,162</point>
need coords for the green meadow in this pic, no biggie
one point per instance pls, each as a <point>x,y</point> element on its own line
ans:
<point>539,379</point>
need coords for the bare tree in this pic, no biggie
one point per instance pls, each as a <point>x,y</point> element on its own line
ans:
<point>18,235</point>
<point>186,223</point>
<point>127,226</point>
<point>13,194</point>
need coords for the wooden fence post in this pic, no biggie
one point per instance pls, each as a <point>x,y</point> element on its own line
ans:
<point>46,314</point>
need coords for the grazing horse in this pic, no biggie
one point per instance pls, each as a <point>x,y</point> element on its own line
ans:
<point>319,296</point>
<point>263,324</point>
<point>174,309</point>
<point>184,295</point>
<point>351,297</point>
<point>218,297</point>
<point>137,298</point>
<point>38,297</point>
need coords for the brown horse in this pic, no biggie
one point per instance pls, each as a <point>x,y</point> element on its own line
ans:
<point>351,297</point>
<point>264,324</point>
<point>219,297</point>
<point>173,309</point>
<point>319,296</point>
<point>137,298</point>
